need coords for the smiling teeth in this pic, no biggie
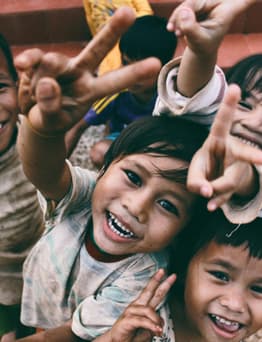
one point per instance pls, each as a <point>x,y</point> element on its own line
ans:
<point>1,125</point>
<point>232,324</point>
<point>118,228</point>
<point>248,142</point>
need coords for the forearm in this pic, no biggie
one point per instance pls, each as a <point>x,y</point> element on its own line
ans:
<point>195,71</point>
<point>43,160</point>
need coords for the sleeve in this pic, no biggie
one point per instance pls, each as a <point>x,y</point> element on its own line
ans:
<point>97,313</point>
<point>201,107</point>
<point>142,7</point>
<point>247,212</point>
<point>83,183</point>
<point>102,111</point>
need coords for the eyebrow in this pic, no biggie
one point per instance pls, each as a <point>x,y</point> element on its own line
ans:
<point>223,263</point>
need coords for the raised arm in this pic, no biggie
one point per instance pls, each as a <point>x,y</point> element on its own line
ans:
<point>56,91</point>
<point>203,24</point>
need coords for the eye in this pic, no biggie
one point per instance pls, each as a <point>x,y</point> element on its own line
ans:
<point>245,105</point>
<point>133,177</point>
<point>220,275</point>
<point>4,86</point>
<point>168,206</point>
<point>257,289</point>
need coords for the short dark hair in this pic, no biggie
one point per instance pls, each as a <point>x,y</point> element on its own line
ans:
<point>5,47</point>
<point>245,72</point>
<point>208,227</point>
<point>148,37</point>
<point>162,136</point>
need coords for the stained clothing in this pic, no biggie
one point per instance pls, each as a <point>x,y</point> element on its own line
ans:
<point>63,282</point>
<point>21,225</point>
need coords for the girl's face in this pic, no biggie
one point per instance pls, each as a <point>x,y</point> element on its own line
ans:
<point>8,105</point>
<point>135,209</point>
<point>247,123</point>
<point>223,294</point>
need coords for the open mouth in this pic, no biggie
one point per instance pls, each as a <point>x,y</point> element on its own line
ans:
<point>249,140</point>
<point>117,227</point>
<point>226,325</point>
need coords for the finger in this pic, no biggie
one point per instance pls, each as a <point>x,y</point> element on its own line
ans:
<point>28,59</point>
<point>105,40</point>
<point>223,120</point>
<point>148,292</point>
<point>197,178</point>
<point>137,322</point>
<point>244,152</point>
<point>162,291</point>
<point>143,311</point>
<point>25,93</point>
<point>117,80</point>
<point>48,96</point>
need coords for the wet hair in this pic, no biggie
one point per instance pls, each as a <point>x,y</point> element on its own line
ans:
<point>212,226</point>
<point>148,37</point>
<point>160,136</point>
<point>247,74</point>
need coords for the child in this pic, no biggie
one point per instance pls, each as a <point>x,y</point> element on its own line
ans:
<point>98,253</point>
<point>218,292</point>
<point>146,37</point>
<point>21,221</point>
<point>98,13</point>
<point>180,93</point>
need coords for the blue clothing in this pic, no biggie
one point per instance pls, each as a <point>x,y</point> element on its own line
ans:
<point>120,110</point>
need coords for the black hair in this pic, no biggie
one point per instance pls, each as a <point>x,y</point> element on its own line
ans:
<point>148,37</point>
<point>5,47</point>
<point>208,227</point>
<point>245,73</point>
<point>160,136</point>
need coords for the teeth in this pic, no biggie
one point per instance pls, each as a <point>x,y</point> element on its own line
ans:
<point>226,322</point>
<point>248,142</point>
<point>118,228</point>
<point>1,125</point>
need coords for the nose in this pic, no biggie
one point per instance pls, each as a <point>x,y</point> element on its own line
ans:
<point>138,204</point>
<point>234,300</point>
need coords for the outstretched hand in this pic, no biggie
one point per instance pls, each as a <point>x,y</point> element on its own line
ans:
<point>222,167</point>
<point>204,23</point>
<point>56,91</point>
<point>139,322</point>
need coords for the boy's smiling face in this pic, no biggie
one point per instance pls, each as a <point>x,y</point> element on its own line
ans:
<point>247,121</point>
<point>8,105</point>
<point>223,293</point>
<point>135,209</point>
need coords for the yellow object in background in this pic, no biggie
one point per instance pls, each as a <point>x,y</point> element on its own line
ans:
<point>98,12</point>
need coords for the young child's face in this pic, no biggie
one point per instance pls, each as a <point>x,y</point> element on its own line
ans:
<point>8,105</point>
<point>223,293</point>
<point>135,209</point>
<point>247,123</point>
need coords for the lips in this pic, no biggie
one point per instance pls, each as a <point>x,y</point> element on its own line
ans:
<point>225,324</point>
<point>117,227</point>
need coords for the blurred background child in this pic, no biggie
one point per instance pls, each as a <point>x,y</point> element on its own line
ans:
<point>147,37</point>
<point>97,15</point>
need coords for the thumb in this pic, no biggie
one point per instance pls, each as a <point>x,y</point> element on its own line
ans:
<point>186,21</point>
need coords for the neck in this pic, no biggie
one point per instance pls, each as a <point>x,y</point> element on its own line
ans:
<point>184,332</point>
<point>97,253</point>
